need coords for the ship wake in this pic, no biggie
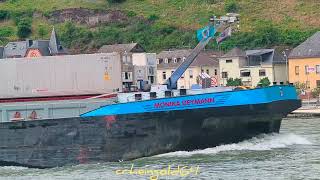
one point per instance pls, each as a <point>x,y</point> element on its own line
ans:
<point>260,143</point>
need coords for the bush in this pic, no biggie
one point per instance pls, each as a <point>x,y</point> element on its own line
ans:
<point>4,14</point>
<point>234,82</point>
<point>153,17</point>
<point>315,92</point>
<point>264,82</point>
<point>231,6</point>
<point>300,87</point>
<point>115,1</point>
<point>6,31</point>
<point>24,28</point>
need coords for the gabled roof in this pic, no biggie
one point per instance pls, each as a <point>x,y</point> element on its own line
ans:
<point>178,53</point>
<point>46,47</point>
<point>121,48</point>
<point>308,49</point>
<point>1,52</point>
<point>205,58</point>
<point>235,52</point>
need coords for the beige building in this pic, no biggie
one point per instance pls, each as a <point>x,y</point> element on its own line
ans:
<point>206,62</point>
<point>252,65</point>
<point>145,69</point>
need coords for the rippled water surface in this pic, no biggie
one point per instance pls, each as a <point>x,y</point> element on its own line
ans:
<point>292,154</point>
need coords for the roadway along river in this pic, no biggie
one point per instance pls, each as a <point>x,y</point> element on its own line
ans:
<point>292,154</point>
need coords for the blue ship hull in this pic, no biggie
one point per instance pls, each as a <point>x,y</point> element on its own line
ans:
<point>132,130</point>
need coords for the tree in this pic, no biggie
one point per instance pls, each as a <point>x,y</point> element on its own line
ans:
<point>264,82</point>
<point>42,31</point>
<point>300,87</point>
<point>234,82</point>
<point>24,28</point>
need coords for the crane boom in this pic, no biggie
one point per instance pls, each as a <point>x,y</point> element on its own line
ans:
<point>204,36</point>
<point>173,79</point>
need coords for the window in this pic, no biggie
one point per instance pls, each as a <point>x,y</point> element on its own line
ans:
<point>190,74</point>
<point>245,73</point>
<point>164,76</point>
<point>306,69</point>
<point>224,74</point>
<point>158,61</point>
<point>175,60</point>
<point>166,60</point>
<point>318,83</point>
<point>127,75</point>
<point>308,84</point>
<point>296,69</point>
<point>151,79</point>
<point>229,61</point>
<point>215,72</point>
<point>262,72</point>
<point>183,59</point>
<point>318,69</point>
<point>151,70</point>
<point>207,71</point>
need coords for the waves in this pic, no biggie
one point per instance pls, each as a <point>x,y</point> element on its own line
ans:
<point>260,143</point>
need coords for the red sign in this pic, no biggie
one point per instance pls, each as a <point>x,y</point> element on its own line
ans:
<point>183,103</point>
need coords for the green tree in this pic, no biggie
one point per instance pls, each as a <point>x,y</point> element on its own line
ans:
<point>24,28</point>
<point>234,82</point>
<point>42,31</point>
<point>264,82</point>
<point>300,87</point>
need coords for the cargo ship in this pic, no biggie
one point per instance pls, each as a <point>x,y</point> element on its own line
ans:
<point>140,124</point>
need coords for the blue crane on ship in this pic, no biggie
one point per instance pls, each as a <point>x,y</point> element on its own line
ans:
<point>204,35</point>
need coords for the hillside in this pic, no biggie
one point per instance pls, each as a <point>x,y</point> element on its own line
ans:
<point>157,24</point>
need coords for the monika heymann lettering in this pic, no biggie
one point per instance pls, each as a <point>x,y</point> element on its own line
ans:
<point>181,171</point>
<point>183,103</point>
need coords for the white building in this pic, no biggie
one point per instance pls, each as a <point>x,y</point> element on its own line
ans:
<point>251,66</point>
<point>206,62</point>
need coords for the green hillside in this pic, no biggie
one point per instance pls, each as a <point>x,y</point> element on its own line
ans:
<point>161,24</point>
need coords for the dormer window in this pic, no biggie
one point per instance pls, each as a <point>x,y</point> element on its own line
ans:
<point>166,60</point>
<point>175,60</point>
<point>183,59</point>
<point>158,61</point>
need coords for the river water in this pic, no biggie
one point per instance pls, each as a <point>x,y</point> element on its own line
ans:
<point>292,154</point>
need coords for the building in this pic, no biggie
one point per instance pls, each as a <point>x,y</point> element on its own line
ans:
<point>205,62</point>
<point>304,62</point>
<point>127,69</point>
<point>33,48</point>
<point>138,67</point>
<point>145,69</point>
<point>252,65</point>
